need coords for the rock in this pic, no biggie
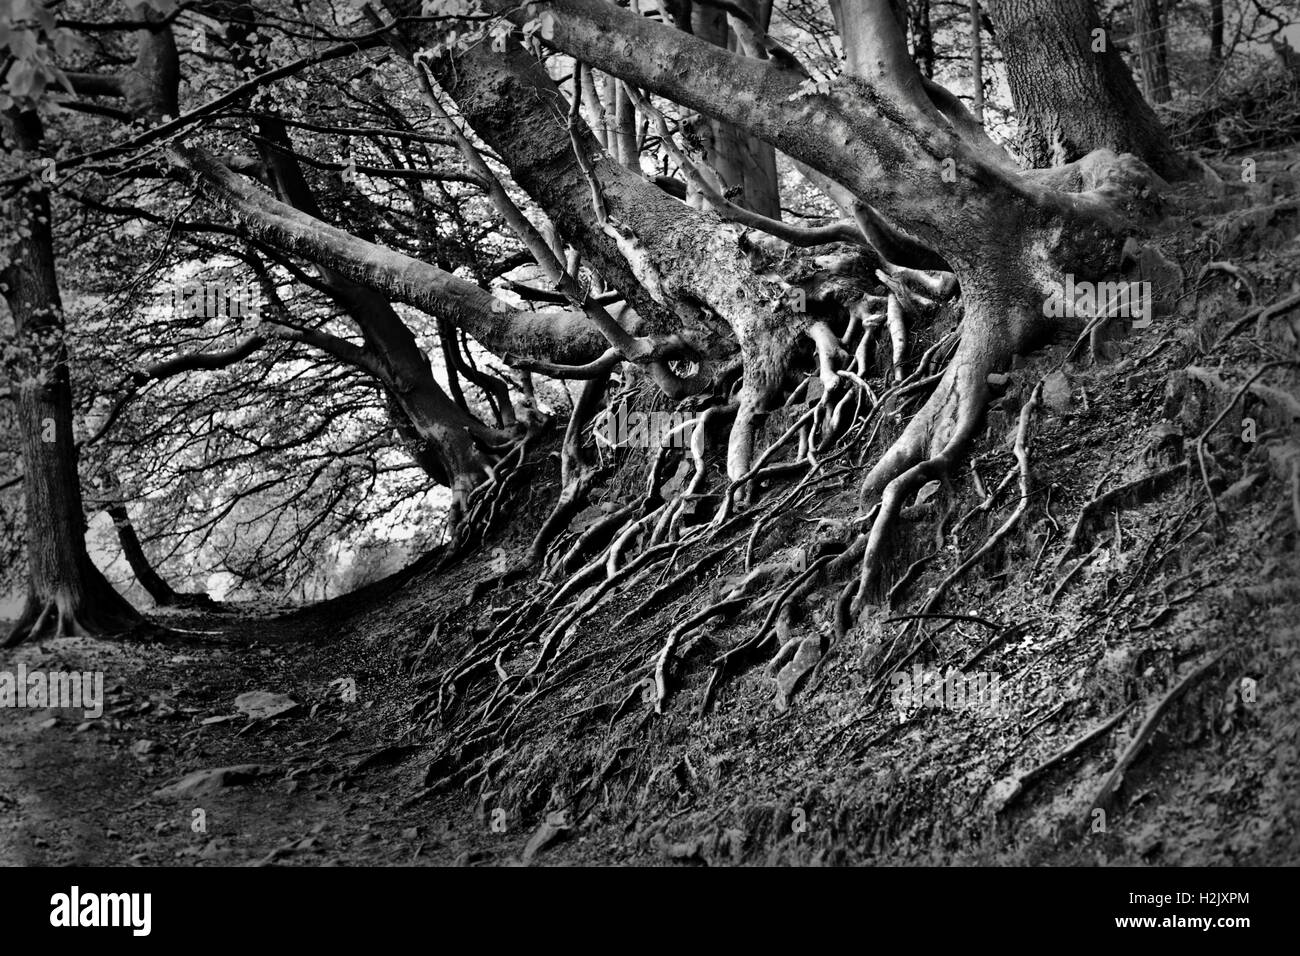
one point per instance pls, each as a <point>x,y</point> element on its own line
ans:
<point>1057,394</point>
<point>685,851</point>
<point>144,748</point>
<point>1165,276</point>
<point>215,850</point>
<point>218,719</point>
<point>384,757</point>
<point>214,780</point>
<point>553,829</point>
<point>261,704</point>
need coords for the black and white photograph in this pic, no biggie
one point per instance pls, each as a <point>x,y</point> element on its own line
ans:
<point>649,434</point>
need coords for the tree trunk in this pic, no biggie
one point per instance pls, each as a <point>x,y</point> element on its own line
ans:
<point>446,432</point>
<point>164,594</point>
<point>1216,30</point>
<point>66,593</point>
<point>887,135</point>
<point>1071,89</point>
<point>1149,33</point>
<point>922,36</point>
<point>976,62</point>
<point>745,166</point>
<point>624,132</point>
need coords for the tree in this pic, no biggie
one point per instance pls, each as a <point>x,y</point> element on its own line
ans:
<point>66,594</point>
<point>713,303</point>
<point>1071,89</point>
<point>1153,61</point>
<point>892,160</point>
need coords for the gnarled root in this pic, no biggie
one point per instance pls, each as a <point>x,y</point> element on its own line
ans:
<point>577,470</point>
<point>68,612</point>
<point>947,421</point>
<point>1026,480</point>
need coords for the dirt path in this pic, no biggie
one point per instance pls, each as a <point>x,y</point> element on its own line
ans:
<point>78,791</point>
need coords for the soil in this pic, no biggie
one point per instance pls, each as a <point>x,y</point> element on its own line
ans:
<point>1165,599</point>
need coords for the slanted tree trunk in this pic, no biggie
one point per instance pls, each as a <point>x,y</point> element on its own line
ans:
<point>441,435</point>
<point>687,260</point>
<point>164,594</point>
<point>1152,51</point>
<point>1071,89</point>
<point>444,431</point>
<point>66,593</point>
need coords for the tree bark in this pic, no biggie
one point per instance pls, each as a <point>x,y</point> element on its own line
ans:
<point>66,593</point>
<point>976,62</point>
<point>1216,30</point>
<point>744,165</point>
<point>1149,32</point>
<point>443,430</point>
<point>1071,89</point>
<point>163,594</point>
<point>922,37</point>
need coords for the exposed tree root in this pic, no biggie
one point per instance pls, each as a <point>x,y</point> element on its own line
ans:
<point>65,614</point>
<point>1011,791</point>
<point>1125,493</point>
<point>1200,439</point>
<point>1116,776</point>
<point>648,535</point>
<point>1022,458</point>
<point>577,470</point>
<point>898,474</point>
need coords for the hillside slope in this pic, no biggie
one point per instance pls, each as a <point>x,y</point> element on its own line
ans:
<point>1134,681</point>
<point>1144,662</point>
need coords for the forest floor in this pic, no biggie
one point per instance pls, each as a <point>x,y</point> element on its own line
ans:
<point>1155,675</point>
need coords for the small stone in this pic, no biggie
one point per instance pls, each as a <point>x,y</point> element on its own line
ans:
<point>1057,394</point>
<point>261,704</point>
<point>553,828</point>
<point>212,780</point>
